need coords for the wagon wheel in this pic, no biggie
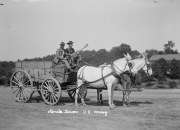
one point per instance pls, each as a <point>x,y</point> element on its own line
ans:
<point>21,86</point>
<point>72,94</point>
<point>51,91</point>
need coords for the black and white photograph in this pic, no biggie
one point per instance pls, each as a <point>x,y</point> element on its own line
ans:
<point>89,64</point>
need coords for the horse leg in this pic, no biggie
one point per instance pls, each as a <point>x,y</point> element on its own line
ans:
<point>123,99</point>
<point>128,94</point>
<point>123,91</point>
<point>83,88</point>
<point>128,87</point>
<point>99,96</point>
<point>109,87</point>
<point>112,93</point>
<point>76,97</point>
<point>79,84</point>
<point>128,97</point>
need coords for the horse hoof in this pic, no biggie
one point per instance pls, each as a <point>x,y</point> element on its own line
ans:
<point>99,103</point>
<point>76,105</point>
<point>84,104</point>
<point>124,105</point>
<point>127,105</point>
<point>111,107</point>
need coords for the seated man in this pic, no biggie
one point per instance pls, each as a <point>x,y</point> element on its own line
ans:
<point>72,56</point>
<point>61,55</point>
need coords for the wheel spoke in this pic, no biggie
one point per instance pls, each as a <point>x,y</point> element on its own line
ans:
<point>55,97</point>
<point>27,86</point>
<point>49,83</point>
<point>15,90</point>
<point>26,82</point>
<point>46,84</point>
<point>15,82</point>
<point>16,79</point>
<point>19,76</point>
<point>19,97</point>
<point>52,99</point>
<point>23,96</point>
<point>18,92</point>
<point>53,84</point>
<point>45,93</point>
<point>56,89</point>
<point>48,97</point>
<point>44,87</point>
<point>14,87</point>
<point>73,93</point>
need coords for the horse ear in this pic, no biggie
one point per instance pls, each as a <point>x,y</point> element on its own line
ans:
<point>145,55</point>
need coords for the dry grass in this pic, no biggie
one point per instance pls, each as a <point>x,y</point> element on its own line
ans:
<point>149,110</point>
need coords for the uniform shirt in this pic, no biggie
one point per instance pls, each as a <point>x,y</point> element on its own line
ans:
<point>70,50</point>
<point>60,53</point>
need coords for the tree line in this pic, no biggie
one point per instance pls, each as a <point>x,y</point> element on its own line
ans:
<point>95,58</point>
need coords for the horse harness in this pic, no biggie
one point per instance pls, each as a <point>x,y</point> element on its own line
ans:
<point>114,73</point>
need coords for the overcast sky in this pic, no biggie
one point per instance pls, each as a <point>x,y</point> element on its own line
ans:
<point>33,28</point>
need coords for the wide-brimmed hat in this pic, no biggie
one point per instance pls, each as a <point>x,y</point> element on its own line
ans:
<point>70,42</point>
<point>62,44</point>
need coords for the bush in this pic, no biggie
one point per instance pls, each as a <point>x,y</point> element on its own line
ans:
<point>6,70</point>
<point>175,69</point>
<point>160,68</point>
<point>162,84</point>
<point>172,84</point>
<point>3,80</point>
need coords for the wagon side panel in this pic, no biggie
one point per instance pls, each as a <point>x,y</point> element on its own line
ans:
<point>38,70</point>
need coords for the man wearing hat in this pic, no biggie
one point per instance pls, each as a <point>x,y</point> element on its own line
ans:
<point>61,55</point>
<point>72,57</point>
<point>70,50</point>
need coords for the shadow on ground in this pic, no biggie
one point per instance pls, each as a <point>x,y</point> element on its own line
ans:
<point>117,103</point>
<point>65,100</point>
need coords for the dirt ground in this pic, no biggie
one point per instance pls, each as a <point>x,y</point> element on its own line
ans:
<point>149,110</point>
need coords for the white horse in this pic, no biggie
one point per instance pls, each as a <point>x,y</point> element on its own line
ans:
<point>101,77</point>
<point>136,65</point>
<point>141,63</point>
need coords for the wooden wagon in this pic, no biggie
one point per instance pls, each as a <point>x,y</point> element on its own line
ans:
<point>44,77</point>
